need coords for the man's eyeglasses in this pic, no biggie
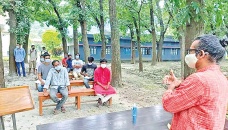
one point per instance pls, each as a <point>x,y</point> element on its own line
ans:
<point>191,51</point>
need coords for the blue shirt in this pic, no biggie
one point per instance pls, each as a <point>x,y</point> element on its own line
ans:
<point>19,54</point>
<point>69,63</point>
<point>57,79</point>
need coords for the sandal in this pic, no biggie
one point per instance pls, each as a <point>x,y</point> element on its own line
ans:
<point>99,102</point>
<point>55,112</point>
<point>63,110</point>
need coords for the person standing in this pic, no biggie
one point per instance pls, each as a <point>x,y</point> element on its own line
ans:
<point>43,50</point>
<point>200,101</point>
<point>64,63</point>
<point>32,60</point>
<point>58,80</point>
<point>102,80</point>
<point>77,66</point>
<point>69,63</point>
<point>19,54</point>
<point>88,71</point>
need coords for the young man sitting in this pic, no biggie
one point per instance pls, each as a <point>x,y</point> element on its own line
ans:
<point>88,71</point>
<point>58,80</point>
<point>102,87</point>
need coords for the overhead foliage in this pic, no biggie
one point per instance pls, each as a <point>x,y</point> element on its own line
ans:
<point>52,41</point>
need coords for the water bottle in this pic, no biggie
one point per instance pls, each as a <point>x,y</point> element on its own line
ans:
<point>134,113</point>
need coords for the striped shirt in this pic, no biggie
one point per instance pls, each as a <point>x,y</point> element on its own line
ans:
<point>200,102</point>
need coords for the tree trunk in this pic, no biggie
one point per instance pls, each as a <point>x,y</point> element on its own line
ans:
<point>153,33</point>
<point>64,43</point>
<point>25,45</point>
<point>101,27</point>
<point>13,40</point>
<point>85,40</point>
<point>116,62</point>
<point>162,33</point>
<point>132,45</point>
<point>182,49</point>
<point>193,29</point>
<point>2,80</point>
<point>82,20</point>
<point>161,40</point>
<point>75,37</point>
<point>138,33</point>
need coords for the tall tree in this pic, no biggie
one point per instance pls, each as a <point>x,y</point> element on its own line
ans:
<point>13,40</point>
<point>61,26</point>
<point>163,29</point>
<point>194,28</point>
<point>99,17</point>
<point>116,62</point>
<point>132,6</point>
<point>75,38</point>
<point>2,79</point>
<point>132,44</point>
<point>82,20</point>
<point>153,33</point>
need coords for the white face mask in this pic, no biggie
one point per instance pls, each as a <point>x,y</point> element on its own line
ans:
<point>103,66</point>
<point>77,57</point>
<point>58,68</point>
<point>90,63</point>
<point>191,60</point>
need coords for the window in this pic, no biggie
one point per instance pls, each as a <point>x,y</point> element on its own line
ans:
<point>163,51</point>
<point>108,50</point>
<point>146,51</point>
<point>93,50</point>
<point>174,51</point>
<point>127,50</point>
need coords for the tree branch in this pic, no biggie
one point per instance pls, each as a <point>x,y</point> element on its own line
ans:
<point>94,16</point>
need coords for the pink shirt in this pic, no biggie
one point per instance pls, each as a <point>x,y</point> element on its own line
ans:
<point>200,102</point>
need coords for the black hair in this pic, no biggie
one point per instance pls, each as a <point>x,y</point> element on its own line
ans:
<point>103,60</point>
<point>69,55</point>
<point>224,42</point>
<point>90,59</point>
<point>46,54</point>
<point>53,62</point>
<point>42,55</point>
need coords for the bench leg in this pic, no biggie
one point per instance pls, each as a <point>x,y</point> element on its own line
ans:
<point>2,127</point>
<point>76,101</point>
<point>40,106</point>
<point>14,122</point>
<point>110,101</point>
<point>79,102</point>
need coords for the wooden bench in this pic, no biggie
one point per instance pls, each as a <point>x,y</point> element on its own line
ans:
<point>77,93</point>
<point>79,83</point>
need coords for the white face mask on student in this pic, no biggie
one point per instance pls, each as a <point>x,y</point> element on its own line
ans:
<point>58,68</point>
<point>103,66</point>
<point>190,60</point>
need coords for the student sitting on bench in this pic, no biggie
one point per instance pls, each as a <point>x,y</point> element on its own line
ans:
<point>58,80</point>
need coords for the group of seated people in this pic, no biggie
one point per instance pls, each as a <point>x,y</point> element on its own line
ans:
<point>54,75</point>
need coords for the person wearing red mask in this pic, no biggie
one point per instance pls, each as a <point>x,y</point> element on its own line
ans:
<point>199,102</point>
